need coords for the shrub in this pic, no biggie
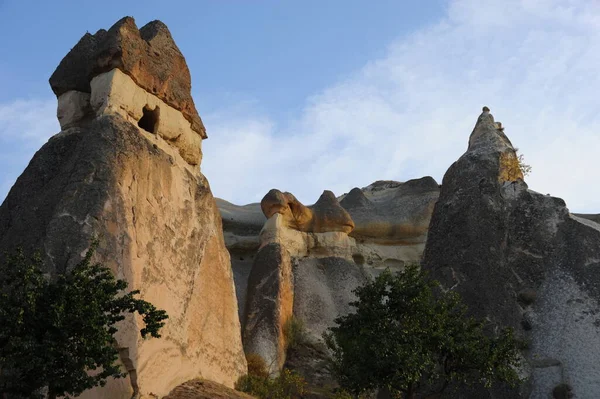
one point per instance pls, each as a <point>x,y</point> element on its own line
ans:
<point>257,367</point>
<point>402,337</point>
<point>288,385</point>
<point>294,332</point>
<point>525,168</point>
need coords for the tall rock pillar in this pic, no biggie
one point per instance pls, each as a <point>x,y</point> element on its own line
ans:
<point>520,259</point>
<point>125,168</point>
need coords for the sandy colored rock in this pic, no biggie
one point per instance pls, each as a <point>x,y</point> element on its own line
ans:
<point>204,389</point>
<point>160,230</point>
<point>148,55</point>
<point>125,169</point>
<point>269,305</point>
<point>324,216</point>
<point>116,93</point>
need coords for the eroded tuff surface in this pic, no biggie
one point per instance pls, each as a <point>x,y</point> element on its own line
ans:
<point>520,259</point>
<point>382,225</point>
<point>157,221</point>
<point>284,253</point>
<point>160,231</point>
<point>148,55</point>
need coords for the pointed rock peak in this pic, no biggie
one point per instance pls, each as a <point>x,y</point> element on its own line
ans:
<point>488,134</point>
<point>329,215</point>
<point>327,197</point>
<point>148,55</point>
<point>355,199</point>
<point>153,29</point>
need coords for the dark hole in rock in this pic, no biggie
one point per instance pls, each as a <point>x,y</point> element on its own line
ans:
<point>358,259</point>
<point>149,120</point>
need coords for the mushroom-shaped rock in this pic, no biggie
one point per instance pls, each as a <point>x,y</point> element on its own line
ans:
<point>148,55</point>
<point>325,215</point>
<point>296,214</point>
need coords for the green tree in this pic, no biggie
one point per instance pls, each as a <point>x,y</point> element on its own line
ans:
<point>58,335</point>
<point>407,338</point>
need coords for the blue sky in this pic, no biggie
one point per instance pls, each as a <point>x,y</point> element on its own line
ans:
<point>312,95</point>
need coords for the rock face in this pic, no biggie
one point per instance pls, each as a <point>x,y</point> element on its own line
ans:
<point>292,260</point>
<point>520,259</point>
<point>136,185</point>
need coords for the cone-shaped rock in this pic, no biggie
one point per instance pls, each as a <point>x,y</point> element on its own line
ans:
<point>520,259</point>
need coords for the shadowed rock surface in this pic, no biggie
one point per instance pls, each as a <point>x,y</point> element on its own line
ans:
<point>241,228</point>
<point>520,259</point>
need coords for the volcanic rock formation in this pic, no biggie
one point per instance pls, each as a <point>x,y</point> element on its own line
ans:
<point>292,260</point>
<point>125,168</point>
<point>520,259</point>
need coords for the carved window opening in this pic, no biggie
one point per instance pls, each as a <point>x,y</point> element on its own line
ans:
<point>149,119</point>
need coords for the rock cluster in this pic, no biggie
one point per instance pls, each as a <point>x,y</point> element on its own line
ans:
<point>292,260</point>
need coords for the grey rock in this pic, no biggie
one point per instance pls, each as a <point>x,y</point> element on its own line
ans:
<point>492,239</point>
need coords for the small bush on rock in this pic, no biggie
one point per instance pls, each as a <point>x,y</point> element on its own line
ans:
<point>294,332</point>
<point>288,385</point>
<point>257,366</point>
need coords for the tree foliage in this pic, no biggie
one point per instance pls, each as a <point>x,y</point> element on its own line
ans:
<point>58,335</point>
<point>523,165</point>
<point>408,339</point>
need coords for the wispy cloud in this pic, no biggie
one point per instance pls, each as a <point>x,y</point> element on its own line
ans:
<point>409,114</point>
<point>24,126</point>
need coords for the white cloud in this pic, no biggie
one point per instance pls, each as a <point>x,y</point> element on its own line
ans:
<point>24,126</point>
<point>28,121</point>
<point>409,114</point>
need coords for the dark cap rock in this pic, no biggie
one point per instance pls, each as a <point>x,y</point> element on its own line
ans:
<point>148,55</point>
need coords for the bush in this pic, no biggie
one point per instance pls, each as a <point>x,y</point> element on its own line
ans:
<point>257,367</point>
<point>402,338</point>
<point>525,168</point>
<point>288,385</point>
<point>294,332</point>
